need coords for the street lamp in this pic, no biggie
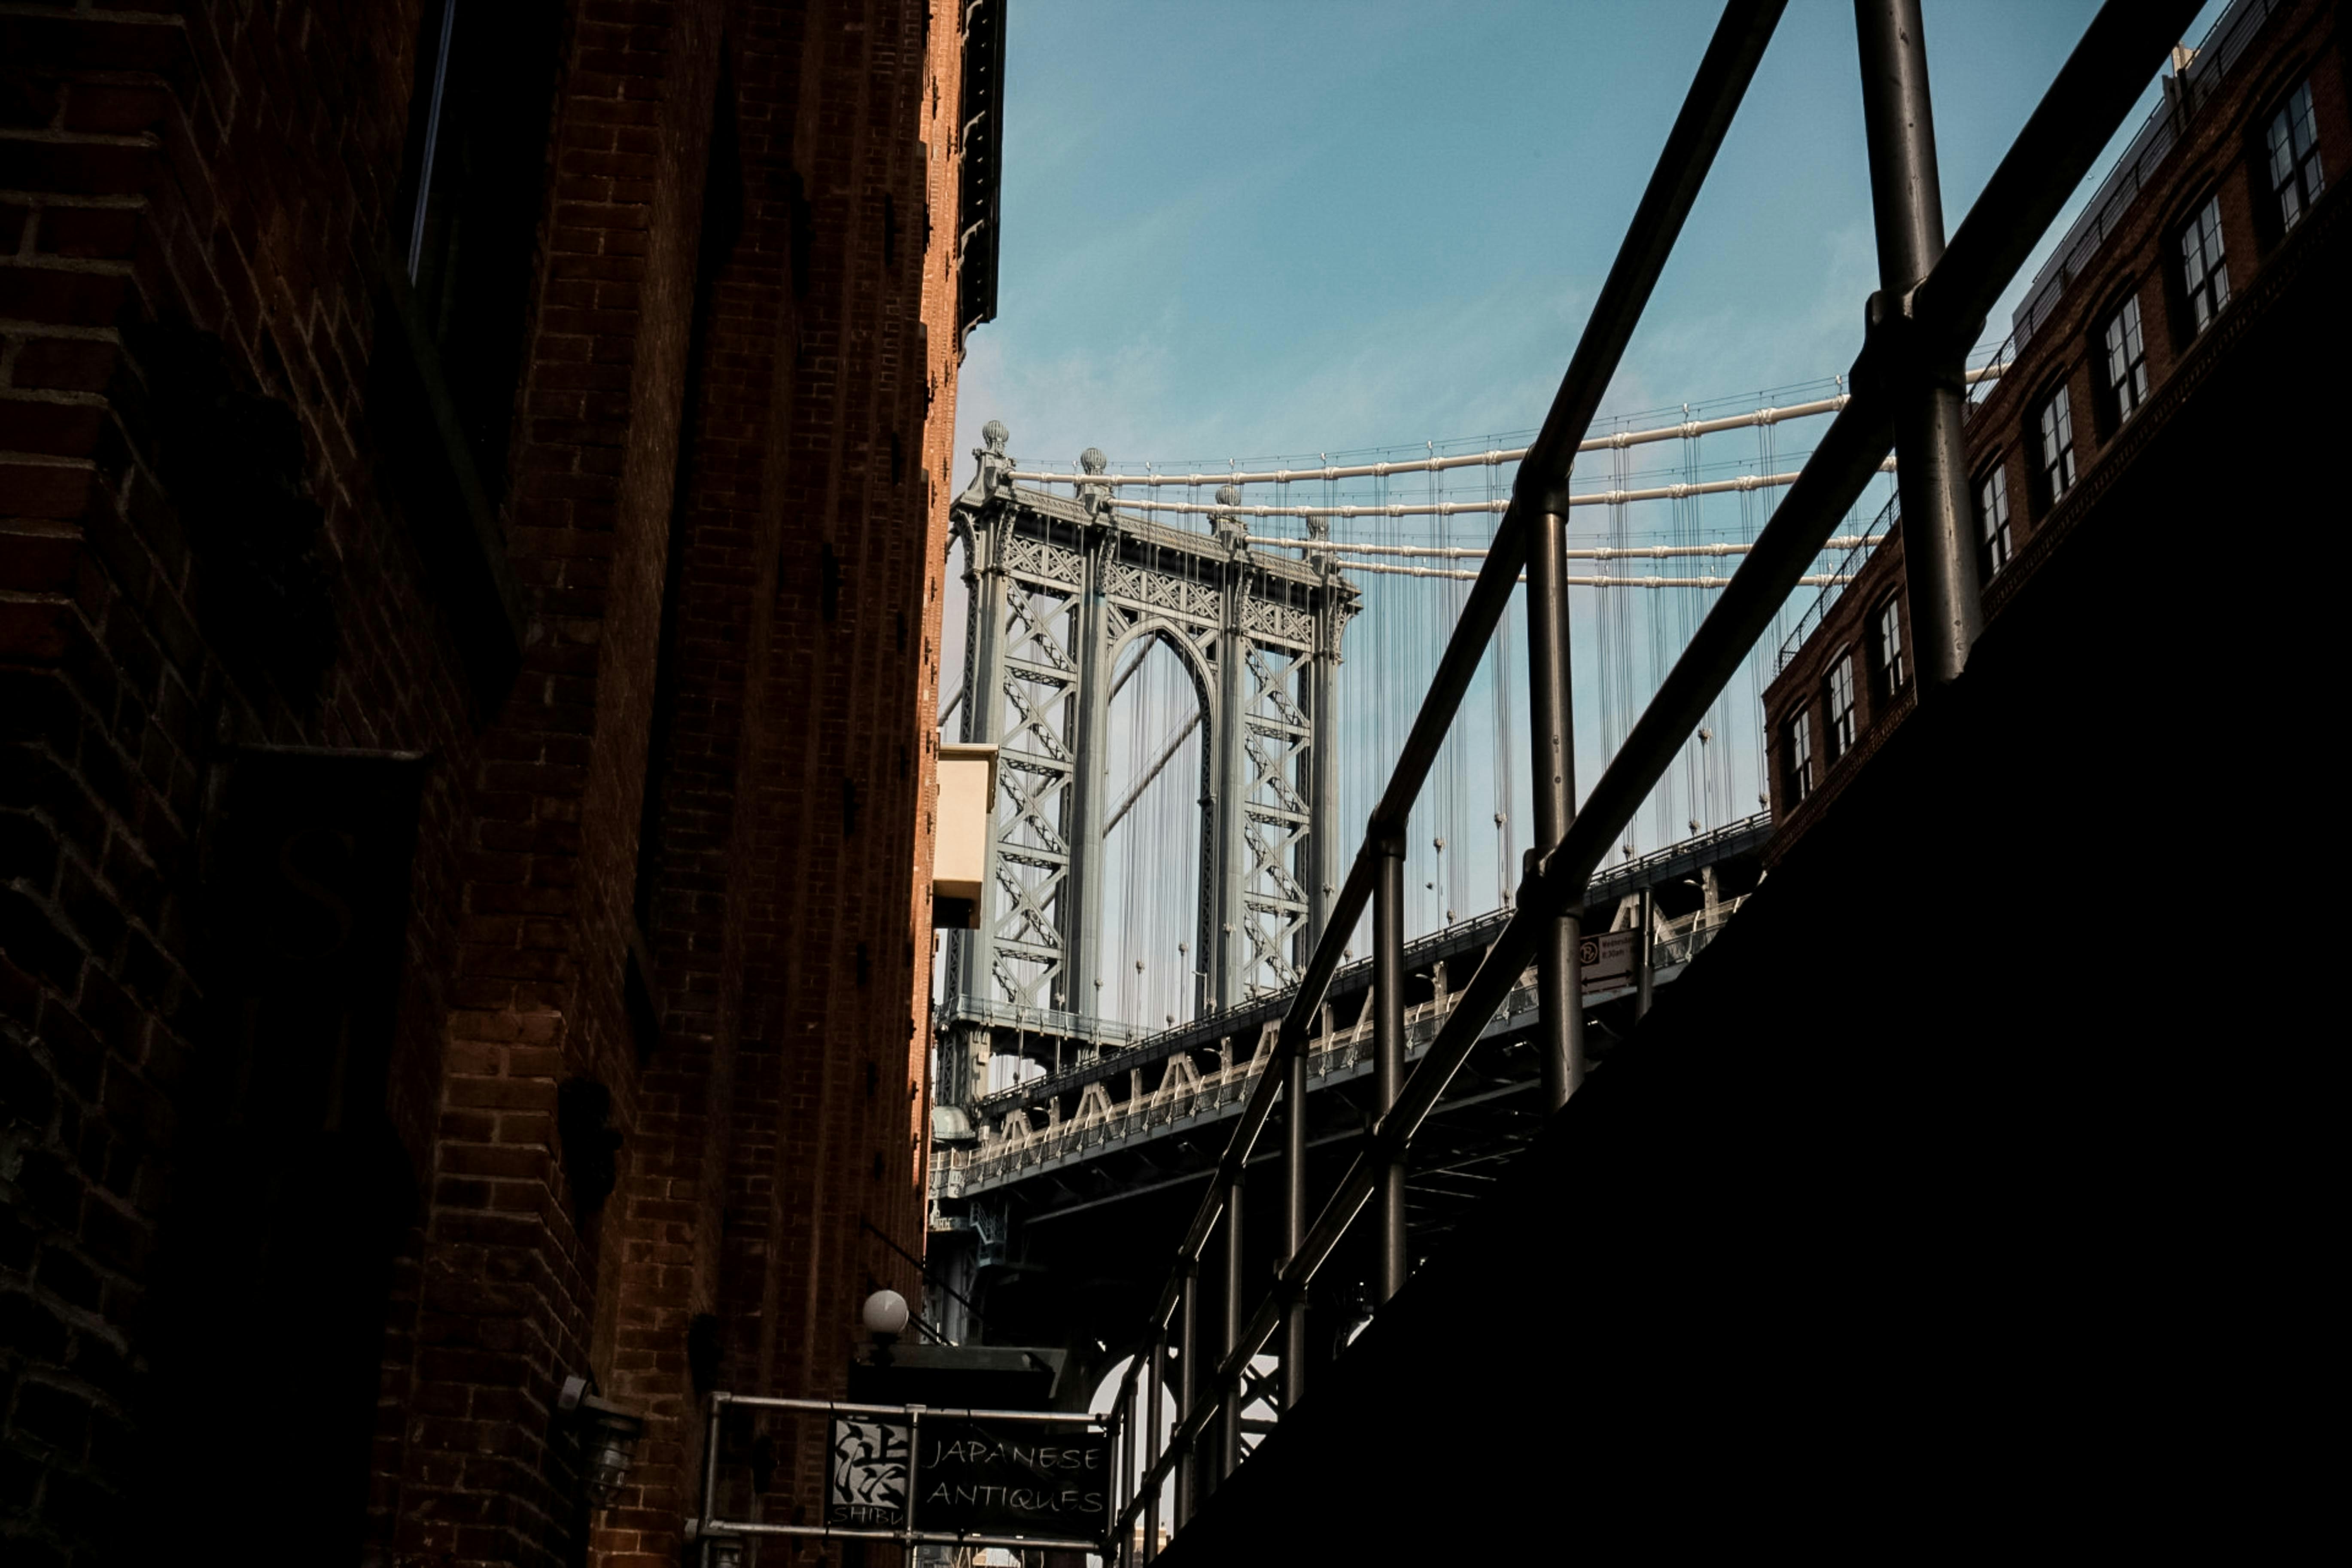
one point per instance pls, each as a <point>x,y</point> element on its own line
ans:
<point>886,1315</point>
<point>613,1435</point>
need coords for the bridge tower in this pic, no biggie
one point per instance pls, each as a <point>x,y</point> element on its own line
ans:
<point>1064,592</point>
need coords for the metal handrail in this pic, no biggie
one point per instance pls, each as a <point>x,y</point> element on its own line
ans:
<point>1729,64</point>
<point>1819,610</point>
<point>1929,326</point>
<point>2211,61</point>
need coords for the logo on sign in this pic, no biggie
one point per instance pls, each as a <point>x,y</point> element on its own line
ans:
<point>869,1473</point>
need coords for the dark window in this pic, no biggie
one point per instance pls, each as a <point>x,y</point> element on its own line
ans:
<point>1797,756</point>
<point>1992,520</point>
<point>2125,362</point>
<point>1887,648</point>
<point>468,205</point>
<point>2057,456</point>
<point>2204,274</point>
<point>2295,176</point>
<point>1837,693</point>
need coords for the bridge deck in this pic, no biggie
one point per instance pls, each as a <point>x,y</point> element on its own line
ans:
<point>1105,1056</point>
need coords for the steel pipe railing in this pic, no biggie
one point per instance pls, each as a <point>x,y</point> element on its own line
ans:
<point>2124,44</point>
<point>1294,1220</point>
<point>1188,1397</point>
<point>1939,563</point>
<point>1723,73</point>
<point>1560,1033</point>
<point>1388,1054</point>
<point>1151,1449</point>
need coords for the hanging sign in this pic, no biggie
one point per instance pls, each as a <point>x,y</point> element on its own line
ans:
<point>982,1477</point>
<point>1606,960</point>
<point>868,1464</point>
<point>969,1476</point>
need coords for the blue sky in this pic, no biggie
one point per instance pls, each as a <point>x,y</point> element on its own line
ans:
<point>1235,229</point>
<point>1250,231</point>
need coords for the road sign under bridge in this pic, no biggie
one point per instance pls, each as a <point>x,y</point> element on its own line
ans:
<point>1607,960</point>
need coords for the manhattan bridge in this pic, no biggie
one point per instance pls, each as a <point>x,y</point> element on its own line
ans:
<point>1192,697</point>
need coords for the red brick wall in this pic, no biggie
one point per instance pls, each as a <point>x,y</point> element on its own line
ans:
<point>164,169</point>
<point>514,1300</point>
<point>230,171</point>
<point>832,800</point>
<point>943,110</point>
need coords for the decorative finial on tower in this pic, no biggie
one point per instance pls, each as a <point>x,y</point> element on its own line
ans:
<point>1095,498</point>
<point>989,481</point>
<point>1226,527</point>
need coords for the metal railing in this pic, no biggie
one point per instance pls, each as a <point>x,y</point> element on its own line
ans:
<point>1932,305</point>
<point>1048,1021</point>
<point>2195,83</point>
<point>895,1517</point>
<point>1818,611</point>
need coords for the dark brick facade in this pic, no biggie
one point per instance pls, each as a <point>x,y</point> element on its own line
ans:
<point>2220,153</point>
<point>466,750</point>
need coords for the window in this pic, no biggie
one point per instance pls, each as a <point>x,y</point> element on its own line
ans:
<point>2127,361</point>
<point>469,200</point>
<point>1797,756</point>
<point>2204,276</point>
<point>2295,176</point>
<point>1887,649</point>
<point>1838,690</point>
<point>1992,520</point>
<point>2057,458</point>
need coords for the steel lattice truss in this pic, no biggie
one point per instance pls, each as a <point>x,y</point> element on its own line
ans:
<point>1063,591</point>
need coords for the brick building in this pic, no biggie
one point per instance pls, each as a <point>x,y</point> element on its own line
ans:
<point>2215,218</point>
<point>472,511</point>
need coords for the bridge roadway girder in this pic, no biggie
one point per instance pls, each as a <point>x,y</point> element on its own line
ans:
<point>1688,881</point>
<point>1076,1238</point>
<point>1068,1248</point>
<point>1086,1242</point>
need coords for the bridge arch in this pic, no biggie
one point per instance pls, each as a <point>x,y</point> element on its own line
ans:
<point>1153,847</point>
<point>1160,629</point>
